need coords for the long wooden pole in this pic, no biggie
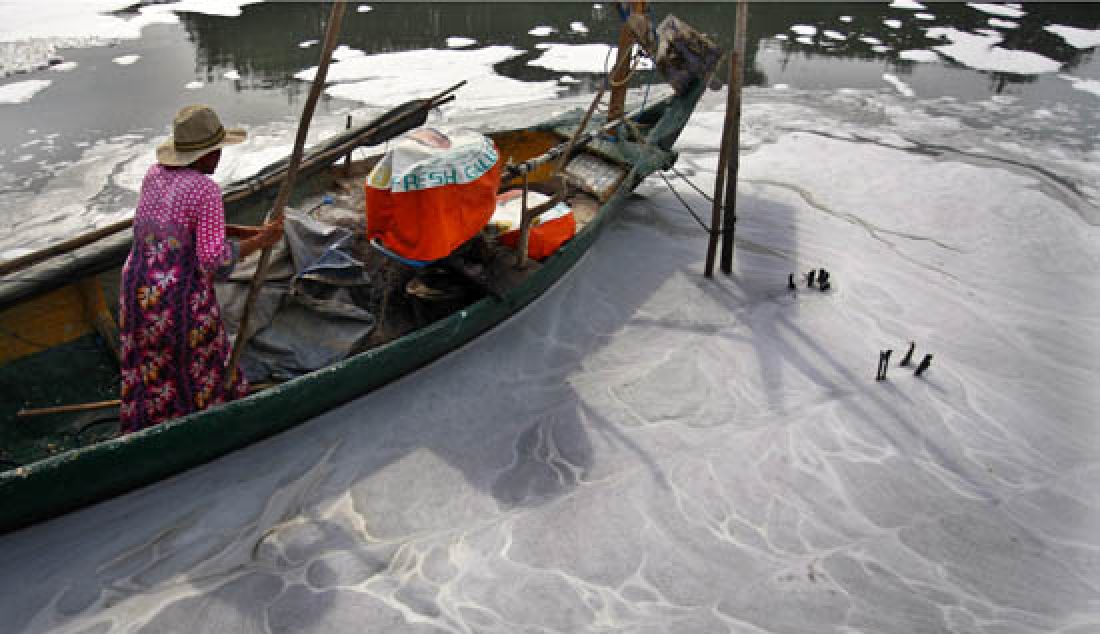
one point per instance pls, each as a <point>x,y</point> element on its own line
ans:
<point>720,177</point>
<point>734,101</point>
<point>84,407</point>
<point>620,73</point>
<point>332,32</point>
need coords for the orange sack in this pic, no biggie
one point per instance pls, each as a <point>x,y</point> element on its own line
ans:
<point>553,229</point>
<point>544,239</point>
<point>432,192</point>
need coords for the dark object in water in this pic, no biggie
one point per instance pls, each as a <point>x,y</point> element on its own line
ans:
<point>826,286</point>
<point>790,281</point>
<point>924,363</point>
<point>822,278</point>
<point>883,363</point>
<point>810,278</point>
<point>909,355</point>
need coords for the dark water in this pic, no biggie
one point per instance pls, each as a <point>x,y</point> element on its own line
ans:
<point>264,40</point>
<point>101,100</point>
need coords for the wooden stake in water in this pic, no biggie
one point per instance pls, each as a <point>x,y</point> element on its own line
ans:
<point>725,186</point>
<point>332,31</point>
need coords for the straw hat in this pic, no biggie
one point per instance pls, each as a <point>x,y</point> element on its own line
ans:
<point>196,131</point>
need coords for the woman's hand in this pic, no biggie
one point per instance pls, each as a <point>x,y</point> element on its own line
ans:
<point>262,237</point>
<point>241,231</point>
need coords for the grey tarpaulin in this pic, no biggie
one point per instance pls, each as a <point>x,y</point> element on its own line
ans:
<point>305,317</point>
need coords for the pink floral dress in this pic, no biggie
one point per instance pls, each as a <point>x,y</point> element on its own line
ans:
<point>174,346</point>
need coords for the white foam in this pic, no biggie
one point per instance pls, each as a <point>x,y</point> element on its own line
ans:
<point>805,39</point>
<point>893,24</point>
<point>981,53</point>
<point>901,86</point>
<point>804,29</point>
<point>997,9</point>
<point>28,19</point>
<point>924,16</point>
<point>782,36</point>
<point>1075,37</point>
<point>224,8</point>
<point>126,60</point>
<point>483,90</point>
<point>907,4</point>
<point>882,48</point>
<point>64,67</point>
<point>460,42</point>
<point>345,52</point>
<point>919,55</point>
<point>1002,24</point>
<point>385,79</point>
<point>308,43</point>
<point>835,35</point>
<point>580,58</point>
<point>232,75</point>
<point>193,85</point>
<point>1091,86</point>
<point>568,79</point>
<point>37,29</point>
<point>867,39</point>
<point>431,63</point>
<point>542,31</point>
<point>22,91</point>
<point>845,18</point>
<point>578,27</point>
<point>363,8</point>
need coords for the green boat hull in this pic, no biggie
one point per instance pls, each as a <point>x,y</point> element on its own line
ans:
<point>79,477</point>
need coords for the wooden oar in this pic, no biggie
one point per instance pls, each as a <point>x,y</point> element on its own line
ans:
<point>332,31</point>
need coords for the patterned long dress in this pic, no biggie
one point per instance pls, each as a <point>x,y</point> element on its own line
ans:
<point>174,346</point>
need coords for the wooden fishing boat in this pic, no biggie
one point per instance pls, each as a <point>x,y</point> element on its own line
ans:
<point>57,313</point>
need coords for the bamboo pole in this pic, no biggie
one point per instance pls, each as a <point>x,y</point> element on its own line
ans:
<point>720,178</point>
<point>66,409</point>
<point>734,100</point>
<point>84,407</point>
<point>620,73</point>
<point>332,31</point>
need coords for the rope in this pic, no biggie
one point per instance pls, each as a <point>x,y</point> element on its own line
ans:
<point>691,211</point>
<point>693,185</point>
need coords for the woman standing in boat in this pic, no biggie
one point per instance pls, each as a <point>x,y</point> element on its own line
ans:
<point>173,344</point>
